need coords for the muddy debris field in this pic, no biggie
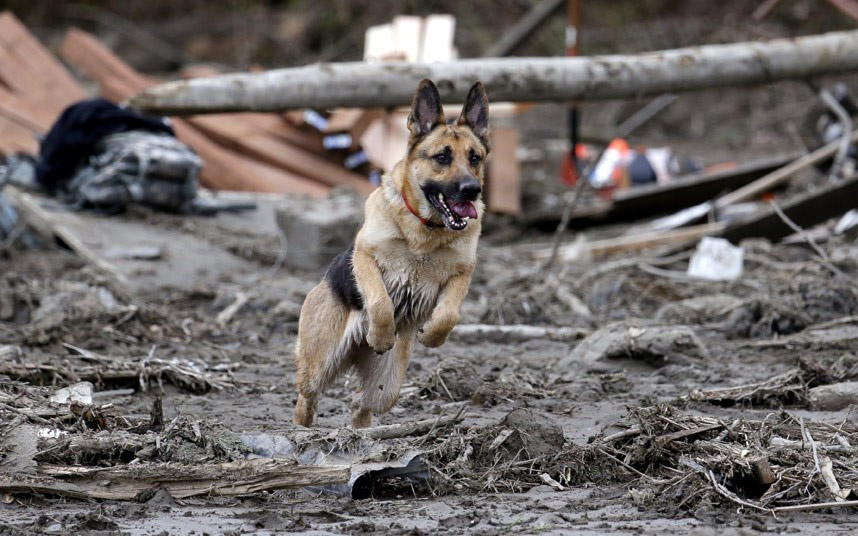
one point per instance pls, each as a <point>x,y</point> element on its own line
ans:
<point>614,395</point>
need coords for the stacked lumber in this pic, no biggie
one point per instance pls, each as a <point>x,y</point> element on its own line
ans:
<point>34,87</point>
<point>241,151</point>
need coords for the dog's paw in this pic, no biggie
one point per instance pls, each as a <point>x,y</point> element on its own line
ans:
<point>381,340</point>
<point>432,338</point>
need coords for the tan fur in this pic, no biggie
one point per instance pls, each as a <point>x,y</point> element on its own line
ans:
<point>397,259</point>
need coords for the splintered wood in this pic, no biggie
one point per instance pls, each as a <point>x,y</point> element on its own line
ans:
<point>129,482</point>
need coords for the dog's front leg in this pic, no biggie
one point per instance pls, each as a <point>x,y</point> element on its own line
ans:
<point>446,313</point>
<point>382,327</point>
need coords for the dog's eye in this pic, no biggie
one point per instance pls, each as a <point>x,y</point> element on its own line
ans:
<point>475,160</point>
<point>442,158</point>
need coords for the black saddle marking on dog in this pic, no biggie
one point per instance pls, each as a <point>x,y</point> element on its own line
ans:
<point>341,278</point>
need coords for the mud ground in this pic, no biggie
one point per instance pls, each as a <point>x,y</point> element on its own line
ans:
<point>752,329</point>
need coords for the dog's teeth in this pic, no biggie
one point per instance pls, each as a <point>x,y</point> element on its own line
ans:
<point>441,197</point>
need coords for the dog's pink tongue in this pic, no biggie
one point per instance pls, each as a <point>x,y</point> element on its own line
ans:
<point>465,209</point>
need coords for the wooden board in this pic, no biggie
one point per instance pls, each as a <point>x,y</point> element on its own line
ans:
<point>15,138</point>
<point>651,200</point>
<point>808,210</point>
<point>25,113</point>
<point>503,183</point>
<point>55,79</point>
<point>281,155</point>
<point>683,192</point>
<point>634,242</point>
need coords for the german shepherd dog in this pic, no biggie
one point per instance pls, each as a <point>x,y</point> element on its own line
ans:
<point>409,268</point>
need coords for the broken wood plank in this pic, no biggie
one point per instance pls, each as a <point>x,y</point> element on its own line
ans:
<point>807,210</point>
<point>480,333</point>
<point>439,31</point>
<point>780,175</point>
<point>683,192</point>
<point>635,242</point>
<point>503,180</point>
<point>88,54</point>
<point>25,113</point>
<point>128,482</point>
<point>355,121</point>
<point>356,84</point>
<point>15,138</point>
<point>666,439</point>
<point>57,81</point>
<point>390,431</point>
<point>282,155</point>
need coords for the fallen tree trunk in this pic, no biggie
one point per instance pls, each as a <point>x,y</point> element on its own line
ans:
<point>127,483</point>
<point>359,84</point>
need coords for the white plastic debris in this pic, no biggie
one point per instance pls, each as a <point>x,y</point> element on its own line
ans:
<point>848,221</point>
<point>79,393</point>
<point>51,433</point>
<point>716,259</point>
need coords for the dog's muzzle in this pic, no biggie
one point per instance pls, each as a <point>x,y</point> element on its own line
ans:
<point>454,200</point>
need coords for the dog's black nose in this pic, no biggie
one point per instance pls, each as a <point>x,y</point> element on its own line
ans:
<point>469,188</point>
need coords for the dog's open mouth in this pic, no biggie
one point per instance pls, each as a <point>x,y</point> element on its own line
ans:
<point>455,215</point>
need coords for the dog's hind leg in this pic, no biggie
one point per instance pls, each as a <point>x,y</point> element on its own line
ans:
<point>326,336</point>
<point>381,379</point>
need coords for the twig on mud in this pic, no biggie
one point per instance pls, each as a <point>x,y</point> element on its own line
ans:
<point>444,385</point>
<point>391,431</point>
<point>845,320</point>
<point>456,418</point>
<point>571,201</point>
<point>225,316</point>
<point>676,275</point>
<point>804,234</point>
<point>629,467</point>
<point>25,412</point>
<point>814,506</point>
<point>83,353</point>
<point>730,495</point>
<point>516,333</point>
<point>805,434</point>
<point>633,431</point>
<point>826,469</point>
<point>622,264</point>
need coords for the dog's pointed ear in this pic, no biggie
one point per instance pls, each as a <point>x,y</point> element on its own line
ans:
<point>426,111</point>
<point>475,113</point>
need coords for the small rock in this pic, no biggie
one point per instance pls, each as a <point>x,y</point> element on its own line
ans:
<point>834,397</point>
<point>319,229</point>
<point>78,393</point>
<point>655,344</point>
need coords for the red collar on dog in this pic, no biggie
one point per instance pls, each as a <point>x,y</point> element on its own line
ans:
<point>423,220</point>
